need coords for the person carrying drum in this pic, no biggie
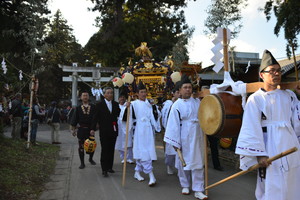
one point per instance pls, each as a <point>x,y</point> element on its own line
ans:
<point>269,124</point>
<point>183,132</point>
<point>83,116</point>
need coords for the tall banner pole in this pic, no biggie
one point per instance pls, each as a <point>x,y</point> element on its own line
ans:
<point>225,49</point>
<point>30,109</point>
<point>126,144</point>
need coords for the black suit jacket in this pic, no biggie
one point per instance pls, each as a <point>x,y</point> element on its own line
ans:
<point>106,119</point>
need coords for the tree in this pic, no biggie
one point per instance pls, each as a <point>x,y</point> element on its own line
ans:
<point>125,24</point>
<point>61,48</point>
<point>288,19</point>
<point>225,14</point>
<point>22,29</point>
<point>179,51</point>
<point>23,25</point>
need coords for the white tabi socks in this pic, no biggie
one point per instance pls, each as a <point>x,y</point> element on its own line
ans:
<point>170,170</point>
<point>138,176</point>
<point>200,195</point>
<point>152,181</point>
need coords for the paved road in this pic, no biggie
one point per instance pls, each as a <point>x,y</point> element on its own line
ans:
<point>70,183</point>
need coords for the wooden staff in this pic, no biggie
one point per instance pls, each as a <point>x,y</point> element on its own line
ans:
<point>206,163</point>
<point>254,167</point>
<point>30,110</point>
<point>126,144</point>
<point>181,157</point>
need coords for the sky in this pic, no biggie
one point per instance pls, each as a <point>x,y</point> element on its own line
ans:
<point>256,34</point>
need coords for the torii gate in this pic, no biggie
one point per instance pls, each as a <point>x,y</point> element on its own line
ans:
<point>96,77</point>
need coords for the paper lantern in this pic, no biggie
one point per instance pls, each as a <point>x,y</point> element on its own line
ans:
<point>90,145</point>
<point>176,76</point>
<point>225,142</point>
<point>117,82</point>
<point>127,78</point>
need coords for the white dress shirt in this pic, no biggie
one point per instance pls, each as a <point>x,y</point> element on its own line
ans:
<point>109,105</point>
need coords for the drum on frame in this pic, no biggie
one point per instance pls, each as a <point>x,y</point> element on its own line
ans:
<point>221,114</point>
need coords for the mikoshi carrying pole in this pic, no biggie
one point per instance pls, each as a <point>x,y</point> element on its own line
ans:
<point>254,167</point>
<point>126,144</point>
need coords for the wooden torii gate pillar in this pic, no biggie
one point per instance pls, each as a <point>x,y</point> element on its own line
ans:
<point>96,77</point>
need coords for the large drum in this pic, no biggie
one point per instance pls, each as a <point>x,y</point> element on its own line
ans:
<point>221,114</point>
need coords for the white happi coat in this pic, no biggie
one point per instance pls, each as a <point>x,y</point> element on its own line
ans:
<point>121,139</point>
<point>184,132</point>
<point>143,141</point>
<point>169,150</point>
<point>283,175</point>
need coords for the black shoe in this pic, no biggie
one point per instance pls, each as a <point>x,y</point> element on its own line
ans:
<point>92,162</point>
<point>111,171</point>
<point>105,174</point>
<point>219,168</point>
<point>82,166</point>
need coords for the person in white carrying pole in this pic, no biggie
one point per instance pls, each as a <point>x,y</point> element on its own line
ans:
<point>184,132</point>
<point>269,123</point>
<point>143,142</point>
<point>170,153</point>
<point>121,139</point>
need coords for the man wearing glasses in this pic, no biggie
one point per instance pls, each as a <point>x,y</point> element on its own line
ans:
<point>268,128</point>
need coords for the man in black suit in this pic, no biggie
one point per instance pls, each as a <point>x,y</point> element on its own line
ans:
<point>107,112</point>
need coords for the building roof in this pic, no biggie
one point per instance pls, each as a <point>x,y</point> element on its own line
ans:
<point>288,64</point>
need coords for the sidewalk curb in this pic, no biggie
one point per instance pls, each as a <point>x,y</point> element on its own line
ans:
<point>58,187</point>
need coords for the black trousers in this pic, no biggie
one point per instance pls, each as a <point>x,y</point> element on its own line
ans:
<point>107,152</point>
<point>82,135</point>
<point>213,143</point>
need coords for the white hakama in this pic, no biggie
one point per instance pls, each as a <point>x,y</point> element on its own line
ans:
<point>170,153</point>
<point>144,142</point>
<point>183,131</point>
<point>121,139</point>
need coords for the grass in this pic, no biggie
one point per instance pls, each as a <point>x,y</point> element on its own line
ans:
<point>24,172</point>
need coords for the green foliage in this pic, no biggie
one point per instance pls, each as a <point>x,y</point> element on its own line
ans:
<point>225,14</point>
<point>179,50</point>
<point>61,48</point>
<point>288,19</point>
<point>125,24</point>
<point>21,37</point>
<point>22,29</point>
<point>23,172</point>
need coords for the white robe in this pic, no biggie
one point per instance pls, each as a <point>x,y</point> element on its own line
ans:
<point>165,112</point>
<point>183,131</point>
<point>296,120</point>
<point>143,140</point>
<point>121,139</point>
<point>158,124</point>
<point>283,175</point>
<point>169,150</point>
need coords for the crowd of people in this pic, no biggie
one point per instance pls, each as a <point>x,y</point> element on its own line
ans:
<point>144,122</point>
<point>270,126</point>
<point>16,114</point>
